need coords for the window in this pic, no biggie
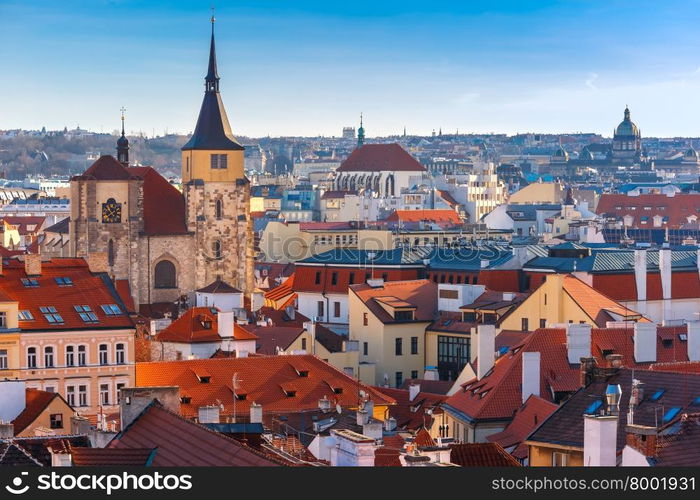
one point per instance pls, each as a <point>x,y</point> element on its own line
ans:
<point>524,325</point>
<point>70,395</point>
<point>31,357</point>
<point>560,459</point>
<point>51,315</point>
<point>111,309</point>
<point>25,315</point>
<point>165,275</point>
<point>657,395</point>
<point>334,278</point>
<point>30,282</point>
<point>365,320</point>
<point>3,320</point>
<point>70,355</point>
<point>110,253</point>
<point>3,359</point>
<point>414,374</point>
<point>453,355</point>
<point>414,345</point>
<point>216,249</point>
<point>48,357</point>
<point>593,407</point>
<point>543,323</point>
<point>351,279</point>
<point>398,348</point>
<point>120,354</point>
<point>403,315</point>
<point>320,308</point>
<point>82,395</point>
<point>399,379</point>
<point>219,209</point>
<point>385,276</point>
<point>448,294</point>
<point>219,161</point>
<point>56,420</point>
<point>63,281</point>
<point>82,355</point>
<point>303,344</point>
<point>318,278</point>
<point>86,314</point>
<point>365,348</point>
<point>336,309</point>
<point>120,386</point>
<point>104,394</point>
<point>103,354</point>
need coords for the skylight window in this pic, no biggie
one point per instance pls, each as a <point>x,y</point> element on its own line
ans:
<point>593,407</point>
<point>657,395</point>
<point>25,315</point>
<point>671,414</point>
<point>51,314</point>
<point>86,314</point>
<point>30,282</point>
<point>64,281</point>
<point>111,309</point>
<point>696,401</point>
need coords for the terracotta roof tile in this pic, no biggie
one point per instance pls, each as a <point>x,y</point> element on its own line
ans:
<point>163,204</point>
<point>481,455</point>
<point>380,158</point>
<point>112,457</point>
<point>198,324</point>
<point>421,293</point>
<point>435,215</point>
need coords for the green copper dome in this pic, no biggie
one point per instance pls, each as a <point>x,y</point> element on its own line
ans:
<point>627,128</point>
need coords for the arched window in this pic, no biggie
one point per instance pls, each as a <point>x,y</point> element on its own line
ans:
<point>110,253</point>
<point>103,354</point>
<point>219,209</point>
<point>70,355</point>
<point>120,352</point>
<point>82,355</point>
<point>31,357</point>
<point>48,357</point>
<point>165,275</point>
<point>216,249</point>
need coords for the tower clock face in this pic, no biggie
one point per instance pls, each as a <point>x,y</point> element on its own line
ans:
<point>111,212</point>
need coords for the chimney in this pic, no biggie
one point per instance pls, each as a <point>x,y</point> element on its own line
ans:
<point>256,413</point>
<point>390,424</point>
<point>324,404</point>
<point>225,323</point>
<point>486,349</point>
<point>693,340</point>
<point>98,262</point>
<point>645,342</point>
<point>352,449</point>
<point>615,360</point>
<point>7,430</point>
<point>362,417</point>
<point>665,271</point>
<point>613,393</point>
<point>587,371</point>
<point>600,440</point>
<point>640,273</point>
<point>369,407</point>
<point>257,301</point>
<point>636,397</point>
<point>413,391</point>
<point>79,425</point>
<point>209,414</point>
<point>13,399</point>
<point>578,342</point>
<point>643,439</point>
<point>291,312</point>
<point>32,264</point>
<point>531,375</point>
<point>310,326</point>
<point>134,401</point>
<point>431,373</point>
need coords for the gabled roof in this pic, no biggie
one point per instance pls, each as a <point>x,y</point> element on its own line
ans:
<point>597,306</point>
<point>219,286</point>
<point>36,402</point>
<point>12,453</point>
<point>481,455</point>
<point>269,338</point>
<point>380,158</point>
<point>279,383</point>
<point>198,324</point>
<point>183,443</point>
<point>420,293</point>
<point>107,168</point>
<point>163,204</point>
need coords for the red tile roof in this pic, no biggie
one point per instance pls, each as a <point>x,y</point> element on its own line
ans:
<point>416,414</point>
<point>530,415</point>
<point>421,293</point>
<point>163,204</point>
<point>481,455</point>
<point>380,158</point>
<point>279,383</point>
<point>23,222</point>
<point>90,289</point>
<point>198,324</point>
<point>124,290</point>
<point>182,443</point>
<point>435,215</point>
<point>269,338</point>
<point>676,208</point>
<point>36,402</point>
<point>595,304</point>
<point>107,168</point>
<point>112,457</point>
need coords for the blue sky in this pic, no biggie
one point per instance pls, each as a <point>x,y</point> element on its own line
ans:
<point>310,67</point>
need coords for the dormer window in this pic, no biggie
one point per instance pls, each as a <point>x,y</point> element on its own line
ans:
<point>63,281</point>
<point>206,324</point>
<point>403,315</point>
<point>185,400</point>
<point>204,379</point>
<point>290,393</point>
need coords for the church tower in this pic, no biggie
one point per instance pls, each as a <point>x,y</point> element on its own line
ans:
<point>217,193</point>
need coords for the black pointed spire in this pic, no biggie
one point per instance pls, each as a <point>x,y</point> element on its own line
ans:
<point>213,130</point>
<point>123,145</point>
<point>212,78</point>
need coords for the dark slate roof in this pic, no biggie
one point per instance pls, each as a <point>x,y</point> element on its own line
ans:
<point>529,212</point>
<point>565,426</point>
<point>213,130</point>
<point>219,286</point>
<point>61,227</point>
<point>38,447</point>
<point>13,454</point>
<point>619,260</point>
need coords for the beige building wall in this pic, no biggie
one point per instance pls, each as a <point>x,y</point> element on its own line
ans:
<point>542,455</point>
<point>539,192</point>
<point>57,406</point>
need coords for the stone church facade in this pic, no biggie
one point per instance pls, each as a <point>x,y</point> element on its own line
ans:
<point>168,243</point>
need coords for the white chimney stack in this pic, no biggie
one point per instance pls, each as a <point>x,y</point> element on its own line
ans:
<point>486,349</point>
<point>310,327</point>
<point>693,340</point>
<point>413,391</point>
<point>578,342</point>
<point>256,414</point>
<point>645,342</point>
<point>209,414</point>
<point>665,271</point>
<point>600,441</point>
<point>531,374</point>
<point>640,273</point>
<point>225,320</point>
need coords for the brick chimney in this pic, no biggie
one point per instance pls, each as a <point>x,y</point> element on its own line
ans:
<point>98,262</point>
<point>642,438</point>
<point>135,399</point>
<point>32,264</point>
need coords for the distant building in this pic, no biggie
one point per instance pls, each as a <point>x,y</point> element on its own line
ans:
<point>349,133</point>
